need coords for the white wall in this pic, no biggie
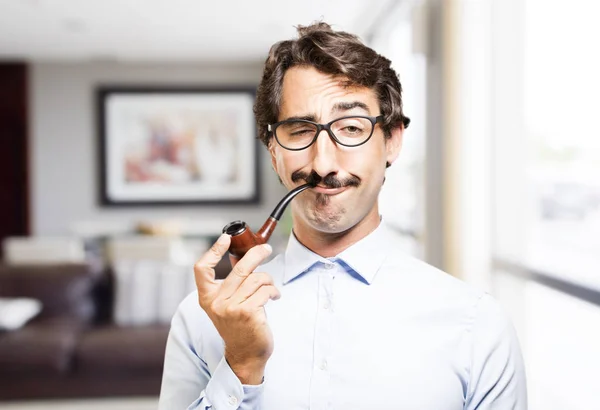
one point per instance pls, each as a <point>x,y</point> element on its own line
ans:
<point>64,180</point>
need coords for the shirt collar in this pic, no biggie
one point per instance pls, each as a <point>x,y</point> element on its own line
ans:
<point>364,258</point>
<point>298,259</point>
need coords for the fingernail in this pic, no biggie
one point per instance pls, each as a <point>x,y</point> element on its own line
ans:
<point>268,247</point>
<point>222,238</point>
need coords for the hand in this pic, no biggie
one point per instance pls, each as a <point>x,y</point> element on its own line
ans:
<point>236,307</point>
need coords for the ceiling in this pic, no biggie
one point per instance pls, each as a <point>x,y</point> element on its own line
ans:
<point>168,30</point>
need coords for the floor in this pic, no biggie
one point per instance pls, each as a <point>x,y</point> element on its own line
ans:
<point>141,403</point>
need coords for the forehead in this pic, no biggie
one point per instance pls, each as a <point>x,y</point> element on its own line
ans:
<point>309,91</point>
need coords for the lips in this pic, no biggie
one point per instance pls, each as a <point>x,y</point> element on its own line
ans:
<point>328,191</point>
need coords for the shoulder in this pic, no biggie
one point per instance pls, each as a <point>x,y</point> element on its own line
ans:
<point>190,306</point>
<point>406,271</point>
<point>429,285</point>
<point>479,311</point>
<point>191,322</point>
<point>490,321</point>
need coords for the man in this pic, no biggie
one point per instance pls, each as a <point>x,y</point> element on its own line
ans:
<point>356,324</point>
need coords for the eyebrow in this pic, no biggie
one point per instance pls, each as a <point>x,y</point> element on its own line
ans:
<point>346,106</point>
<point>341,106</point>
<point>309,117</point>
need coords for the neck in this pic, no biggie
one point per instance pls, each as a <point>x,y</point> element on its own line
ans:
<point>327,244</point>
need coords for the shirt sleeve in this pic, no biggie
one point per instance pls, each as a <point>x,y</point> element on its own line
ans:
<point>187,382</point>
<point>497,374</point>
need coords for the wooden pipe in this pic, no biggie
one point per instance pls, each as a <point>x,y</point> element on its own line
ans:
<point>242,238</point>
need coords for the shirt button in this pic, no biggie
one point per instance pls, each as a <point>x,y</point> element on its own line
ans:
<point>233,400</point>
<point>329,266</point>
<point>326,305</point>
<point>323,365</point>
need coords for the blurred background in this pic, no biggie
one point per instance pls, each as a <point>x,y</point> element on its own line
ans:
<point>109,110</point>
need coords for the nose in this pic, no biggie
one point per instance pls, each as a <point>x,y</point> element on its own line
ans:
<point>325,151</point>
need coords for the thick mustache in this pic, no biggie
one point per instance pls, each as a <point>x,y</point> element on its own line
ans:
<point>329,181</point>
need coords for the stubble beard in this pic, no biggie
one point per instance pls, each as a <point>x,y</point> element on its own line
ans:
<point>325,215</point>
<point>322,212</point>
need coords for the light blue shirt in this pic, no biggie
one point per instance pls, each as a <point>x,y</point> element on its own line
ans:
<point>372,328</point>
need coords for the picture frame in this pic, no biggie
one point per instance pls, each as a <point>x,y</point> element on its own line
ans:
<point>177,146</point>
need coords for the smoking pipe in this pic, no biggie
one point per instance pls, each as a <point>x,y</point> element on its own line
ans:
<point>242,238</point>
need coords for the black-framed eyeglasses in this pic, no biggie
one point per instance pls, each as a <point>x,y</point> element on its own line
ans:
<point>349,131</point>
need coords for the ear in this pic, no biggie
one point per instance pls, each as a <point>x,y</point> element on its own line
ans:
<point>393,145</point>
<point>272,147</point>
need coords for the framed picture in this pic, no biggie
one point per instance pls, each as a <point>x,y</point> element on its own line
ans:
<point>177,146</point>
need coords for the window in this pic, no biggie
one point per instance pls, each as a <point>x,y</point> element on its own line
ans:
<point>546,184</point>
<point>561,111</point>
<point>402,196</point>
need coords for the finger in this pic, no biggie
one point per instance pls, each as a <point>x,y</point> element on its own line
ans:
<point>233,260</point>
<point>243,268</point>
<point>261,297</point>
<point>250,286</point>
<point>204,271</point>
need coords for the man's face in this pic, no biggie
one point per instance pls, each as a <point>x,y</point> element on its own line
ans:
<point>350,177</point>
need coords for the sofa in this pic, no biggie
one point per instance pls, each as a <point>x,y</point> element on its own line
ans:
<point>73,348</point>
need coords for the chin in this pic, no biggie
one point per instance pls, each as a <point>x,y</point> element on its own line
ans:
<point>331,220</point>
<point>331,214</point>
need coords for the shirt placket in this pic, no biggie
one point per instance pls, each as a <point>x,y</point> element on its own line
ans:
<point>320,397</point>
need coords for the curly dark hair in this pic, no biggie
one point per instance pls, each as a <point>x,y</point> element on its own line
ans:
<point>331,52</point>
